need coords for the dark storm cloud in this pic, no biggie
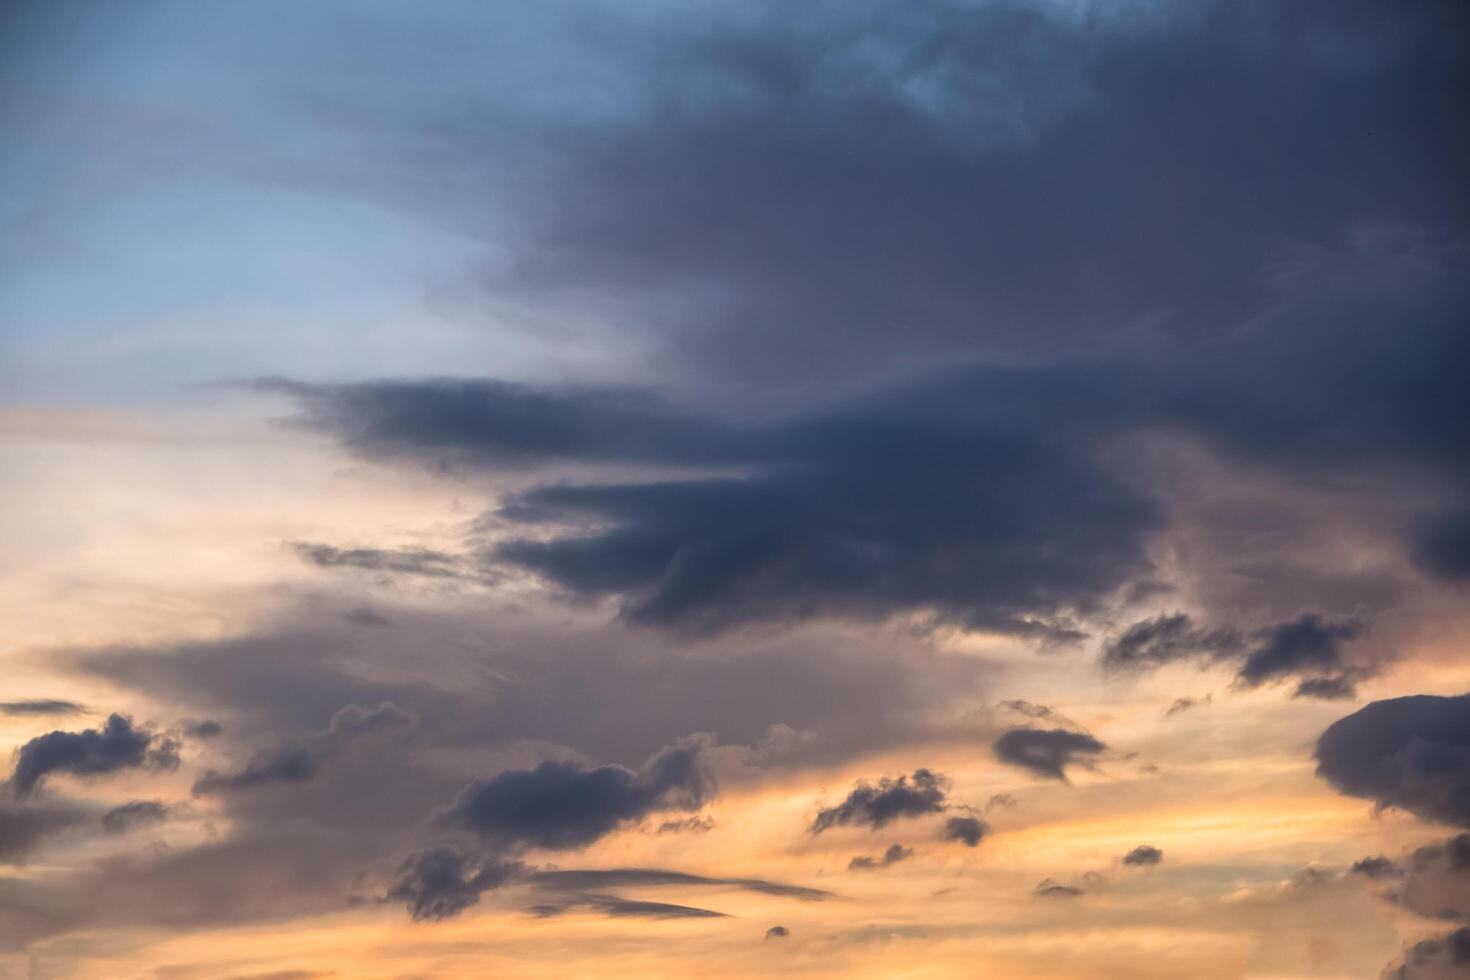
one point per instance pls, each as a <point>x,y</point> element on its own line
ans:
<point>92,751</point>
<point>41,706</point>
<point>966,830</point>
<point>568,805</point>
<point>892,856</point>
<point>1444,957</point>
<point>864,185</point>
<point>134,814</point>
<point>1046,752</point>
<point>303,759</point>
<point>878,806</point>
<point>1143,855</point>
<point>440,882</point>
<point>1412,753</point>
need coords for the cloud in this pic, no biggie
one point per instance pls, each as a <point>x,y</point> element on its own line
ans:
<point>134,814</point>
<point>564,805</point>
<point>1374,867</point>
<point>1441,546</point>
<point>591,878</point>
<point>1186,703</point>
<point>303,759</point>
<point>1309,644</point>
<point>1439,958</point>
<point>966,830</point>
<point>93,751</point>
<point>617,907</point>
<point>1049,888</point>
<point>777,932</point>
<point>204,729</point>
<point>1046,752</point>
<point>421,562</point>
<point>1412,753</point>
<point>1143,855</point>
<point>440,882</point>
<point>878,806</point>
<point>1308,647</point>
<point>23,828</point>
<point>892,856</point>
<point>41,706</point>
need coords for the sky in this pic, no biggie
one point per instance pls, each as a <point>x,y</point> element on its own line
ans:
<point>662,488</point>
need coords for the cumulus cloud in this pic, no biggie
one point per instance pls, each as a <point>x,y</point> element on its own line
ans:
<point>1412,753</point>
<point>966,830</point>
<point>90,752</point>
<point>1046,752</point>
<point>1143,855</point>
<point>893,798</point>
<point>777,932</point>
<point>568,805</point>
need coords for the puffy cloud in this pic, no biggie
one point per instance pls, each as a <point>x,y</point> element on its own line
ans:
<point>1412,753</point>
<point>878,806</point>
<point>892,856</point>
<point>441,882</point>
<point>1046,752</point>
<point>568,805</point>
<point>1143,855</point>
<point>93,751</point>
<point>966,830</point>
<point>1444,957</point>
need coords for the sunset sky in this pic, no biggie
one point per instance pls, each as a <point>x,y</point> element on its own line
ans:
<point>735,488</point>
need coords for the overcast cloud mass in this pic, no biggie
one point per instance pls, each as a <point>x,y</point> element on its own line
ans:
<point>633,488</point>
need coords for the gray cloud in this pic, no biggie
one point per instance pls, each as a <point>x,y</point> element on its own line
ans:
<point>1143,855</point>
<point>421,562</point>
<point>586,878</point>
<point>23,828</point>
<point>303,759</point>
<point>1308,647</point>
<point>440,882</point>
<point>568,805</point>
<point>41,706</point>
<point>966,830</point>
<point>1412,753</point>
<point>878,806</point>
<point>1186,703</point>
<point>1046,752</point>
<point>1048,888</point>
<point>90,752</point>
<point>134,814</point>
<point>892,856</point>
<point>777,932</point>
